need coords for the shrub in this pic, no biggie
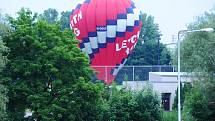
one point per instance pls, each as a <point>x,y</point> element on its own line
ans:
<point>199,103</point>
<point>125,105</point>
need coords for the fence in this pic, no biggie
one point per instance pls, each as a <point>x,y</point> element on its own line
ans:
<point>137,73</point>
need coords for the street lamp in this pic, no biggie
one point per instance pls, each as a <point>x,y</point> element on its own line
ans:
<point>182,32</point>
<point>158,49</point>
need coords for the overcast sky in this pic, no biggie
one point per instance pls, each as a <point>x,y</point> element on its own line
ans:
<point>171,15</point>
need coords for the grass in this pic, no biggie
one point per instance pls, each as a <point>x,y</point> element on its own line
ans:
<point>169,116</point>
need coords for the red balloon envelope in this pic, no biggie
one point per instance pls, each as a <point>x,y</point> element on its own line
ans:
<point>108,31</point>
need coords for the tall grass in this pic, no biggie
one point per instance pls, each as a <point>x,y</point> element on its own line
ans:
<point>169,116</point>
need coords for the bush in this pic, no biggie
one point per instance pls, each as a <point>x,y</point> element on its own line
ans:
<point>184,90</point>
<point>199,104</point>
<point>148,105</point>
<point>126,105</point>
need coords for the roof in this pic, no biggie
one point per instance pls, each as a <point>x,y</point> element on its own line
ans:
<point>170,73</point>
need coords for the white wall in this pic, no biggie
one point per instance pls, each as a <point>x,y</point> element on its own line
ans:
<point>162,82</point>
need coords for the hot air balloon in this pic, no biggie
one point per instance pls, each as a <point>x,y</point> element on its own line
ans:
<point>108,31</point>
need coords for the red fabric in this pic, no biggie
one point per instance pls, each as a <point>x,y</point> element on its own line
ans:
<point>94,14</point>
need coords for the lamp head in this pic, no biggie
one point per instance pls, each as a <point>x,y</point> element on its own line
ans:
<point>207,30</point>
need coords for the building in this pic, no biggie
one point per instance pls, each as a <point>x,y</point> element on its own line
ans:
<point>164,83</point>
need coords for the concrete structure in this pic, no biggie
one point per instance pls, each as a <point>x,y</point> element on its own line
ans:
<point>164,83</point>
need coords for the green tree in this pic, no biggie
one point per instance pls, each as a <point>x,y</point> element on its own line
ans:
<point>50,15</point>
<point>198,55</point>
<point>4,27</point>
<point>196,105</point>
<point>3,90</point>
<point>47,74</point>
<point>185,90</point>
<point>3,101</point>
<point>4,30</point>
<point>149,51</point>
<point>65,19</point>
<point>3,54</point>
<point>197,48</point>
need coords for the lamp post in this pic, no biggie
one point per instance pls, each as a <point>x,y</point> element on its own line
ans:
<point>182,32</point>
<point>158,49</point>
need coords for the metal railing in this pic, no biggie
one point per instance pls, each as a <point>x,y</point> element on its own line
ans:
<point>136,73</point>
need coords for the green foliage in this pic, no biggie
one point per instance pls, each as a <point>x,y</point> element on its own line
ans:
<point>47,73</point>
<point>4,27</point>
<point>198,55</point>
<point>50,15</point>
<point>170,116</point>
<point>3,54</point>
<point>120,105</point>
<point>65,20</point>
<point>125,105</point>
<point>3,59</point>
<point>3,101</point>
<point>198,48</point>
<point>198,105</point>
<point>185,89</point>
<point>149,50</point>
<point>148,106</point>
<point>150,30</point>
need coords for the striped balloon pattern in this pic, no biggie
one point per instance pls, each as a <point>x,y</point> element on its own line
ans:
<point>108,31</point>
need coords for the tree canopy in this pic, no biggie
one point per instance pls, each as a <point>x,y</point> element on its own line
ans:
<point>65,19</point>
<point>50,15</point>
<point>198,55</point>
<point>3,90</point>
<point>3,60</point>
<point>149,50</point>
<point>198,48</point>
<point>47,73</point>
<point>3,54</point>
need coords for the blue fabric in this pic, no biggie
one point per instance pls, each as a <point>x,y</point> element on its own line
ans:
<point>129,28</point>
<point>136,23</point>
<point>81,45</point>
<point>92,34</point>
<point>91,55</point>
<point>95,50</point>
<point>120,34</point>
<point>78,6</point>
<point>129,10</point>
<point>87,1</point>
<point>111,22</point>
<point>102,45</point>
<point>111,40</point>
<point>72,11</point>
<point>132,5</point>
<point>86,40</point>
<point>121,16</point>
